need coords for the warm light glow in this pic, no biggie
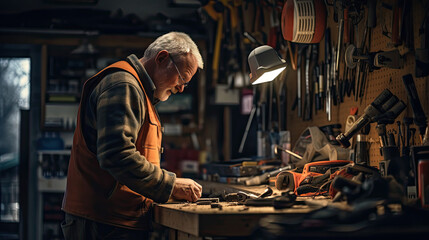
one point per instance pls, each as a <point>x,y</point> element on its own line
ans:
<point>269,76</point>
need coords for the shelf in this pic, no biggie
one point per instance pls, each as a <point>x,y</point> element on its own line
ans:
<point>57,129</point>
<point>59,152</point>
<point>67,103</point>
<point>64,102</point>
<point>62,93</point>
<point>62,97</point>
<point>52,184</point>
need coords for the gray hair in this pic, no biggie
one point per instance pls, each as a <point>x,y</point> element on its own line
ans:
<point>176,43</point>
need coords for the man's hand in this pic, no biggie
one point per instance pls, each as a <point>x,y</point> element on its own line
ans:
<point>186,189</point>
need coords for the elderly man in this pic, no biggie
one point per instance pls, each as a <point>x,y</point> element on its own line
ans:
<point>114,172</point>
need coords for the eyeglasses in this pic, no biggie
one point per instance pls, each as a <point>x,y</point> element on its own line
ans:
<point>184,83</point>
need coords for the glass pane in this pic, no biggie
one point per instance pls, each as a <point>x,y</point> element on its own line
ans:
<point>14,95</point>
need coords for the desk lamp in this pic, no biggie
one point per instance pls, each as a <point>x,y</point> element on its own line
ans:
<point>265,64</point>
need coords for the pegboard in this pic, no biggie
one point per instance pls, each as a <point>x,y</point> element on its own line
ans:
<point>377,80</point>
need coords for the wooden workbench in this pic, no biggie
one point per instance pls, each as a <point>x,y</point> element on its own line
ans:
<point>192,221</point>
<point>202,220</point>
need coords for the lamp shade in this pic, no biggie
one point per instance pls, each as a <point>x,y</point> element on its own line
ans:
<point>265,64</point>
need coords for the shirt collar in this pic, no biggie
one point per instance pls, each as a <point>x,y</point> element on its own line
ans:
<point>145,79</point>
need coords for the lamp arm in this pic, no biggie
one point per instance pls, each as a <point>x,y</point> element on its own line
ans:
<point>277,147</point>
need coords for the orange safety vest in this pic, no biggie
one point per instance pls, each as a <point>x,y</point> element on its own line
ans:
<point>92,192</point>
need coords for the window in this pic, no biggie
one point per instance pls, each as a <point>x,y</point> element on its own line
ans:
<point>14,95</point>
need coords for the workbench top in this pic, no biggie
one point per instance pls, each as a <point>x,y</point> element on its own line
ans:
<point>231,208</point>
<point>229,220</point>
<point>191,221</point>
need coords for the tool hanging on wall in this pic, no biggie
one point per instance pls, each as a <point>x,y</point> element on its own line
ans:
<point>303,21</point>
<point>365,48</point>
<point>396,16</point>
<point>422,53</point>
<point>328,85</point>
<point>307,99</point>
<point>376,60</point>
<point>314,99</point>
<point>316,103</point>
<point>321,86</point>
<point>388,59</point>
<point>274,33</point>
<point>252,39</point>
<point>334,89</point>
<point>362,67</point>
<point>299,80</point>
<point>225,13</point>
<point>215,10</point>
<point>293,55</point>
<point>347,82</point>
<point>419,115</point>
<point>407,29</point>
<point>356,13</point>
<point>280,88</point>
<point>339,12</point>
<point>271,102</point>
<point>385,105</point>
